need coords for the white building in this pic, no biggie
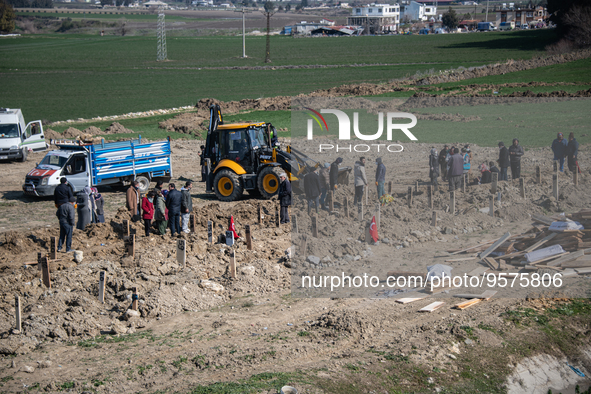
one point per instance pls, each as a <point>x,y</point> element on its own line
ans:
<point>376,18</point>
<point>419,12</point>
<point>156,4</point>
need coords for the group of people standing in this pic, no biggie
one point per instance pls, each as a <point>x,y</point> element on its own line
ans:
<point>90,206</point>
<point>452,165</point>
<point>323,178</point>
<point>566,149</point>
<point>168,208</point>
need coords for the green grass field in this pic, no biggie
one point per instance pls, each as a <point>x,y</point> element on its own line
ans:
<point>61,76</point>
<point>534,123</point>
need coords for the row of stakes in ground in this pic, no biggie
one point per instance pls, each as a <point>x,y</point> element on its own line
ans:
<point>181,256</point>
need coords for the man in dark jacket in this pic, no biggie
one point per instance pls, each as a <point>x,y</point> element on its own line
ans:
<point>284,198</point>
<point>515,153</point>
<point>62,193</point>
<point>559,147</point>
<point>334,173</point>
<point>572,152</point>
<point>443,162</point>
<point>456,170</point>
<point>66,215</point>
<point>503,161</point>
<point>312,189</point>
<point>186,205</point>
<point>173,203</point>
<point>380,177</point>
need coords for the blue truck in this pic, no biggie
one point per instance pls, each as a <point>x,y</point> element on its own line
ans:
<point>100,164</point>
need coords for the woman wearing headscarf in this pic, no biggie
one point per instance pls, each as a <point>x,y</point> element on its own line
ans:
<point>434,167</point>
<point>99,204</point>
<point>84,209</point>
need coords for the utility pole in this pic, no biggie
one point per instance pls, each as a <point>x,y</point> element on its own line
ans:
<point>243,31</point>
<point>268,13</point>
<point>486,20</point>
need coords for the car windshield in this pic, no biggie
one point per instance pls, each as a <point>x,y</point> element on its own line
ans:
<point>8,130</point>
<point>54,161</point>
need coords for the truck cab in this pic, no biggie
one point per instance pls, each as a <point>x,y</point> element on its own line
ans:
<point>16,138</point>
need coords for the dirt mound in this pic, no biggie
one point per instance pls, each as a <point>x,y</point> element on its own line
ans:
<point>351,322</point>
<point>117,128</point>
<point>92,130</point>
<point>71,132</point>
<point>51,134</point>
<point>184,123</point>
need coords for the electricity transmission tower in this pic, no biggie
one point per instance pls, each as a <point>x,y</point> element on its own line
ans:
<point>161,53</point>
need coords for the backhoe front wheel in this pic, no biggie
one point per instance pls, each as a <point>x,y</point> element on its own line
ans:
<point>268,181</point>
<point>227,186</point>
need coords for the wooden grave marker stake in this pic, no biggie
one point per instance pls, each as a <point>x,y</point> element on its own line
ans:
<point>45,272</point>
<point>378,214</point>
<point>209,231</point>
<point>495,180</point>
<point>276,218</point>
<point>192,223</point>
<point>181,252</point>
<point>555,185</point>
<point>260,215</point>
<point>249,237</point>
<point>294,223</point>
<point>434,219</point>
<point>390,187</point>
<point>409,196</point>
<point>131,245</point>
<point>555,166</point>
<point>39,255</point>
<point>538,174</point>
<point>233,265</point>
<point>102,280</point>
<point>576,177</point>
<point>360,210</point>
<point>491,206</point>
<point>346,207</point>
<point>134,299</point>
<point>17,312</point>
<point>452,202</point>
<point>430,196</point>
<point>366,195</point>
<point>417,187</point>
<point>330,201</point>
<point>315,226</point>
<point>126,231</point>
<point>522,187</point>
<point>464,182</point>
<point>303,245</point>
<point>53,248</point>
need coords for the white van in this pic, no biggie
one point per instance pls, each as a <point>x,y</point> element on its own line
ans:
<point>507,26</point>
<point>16,139</point>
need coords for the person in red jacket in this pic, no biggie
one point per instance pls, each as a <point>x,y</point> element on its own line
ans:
<point>148,209</point>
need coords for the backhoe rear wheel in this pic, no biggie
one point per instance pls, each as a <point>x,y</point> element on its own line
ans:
<point>227,186</point>
<point>268,181</point>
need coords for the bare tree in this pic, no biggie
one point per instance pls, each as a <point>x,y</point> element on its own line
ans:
<point>578,21</point>
<point>268,13</point>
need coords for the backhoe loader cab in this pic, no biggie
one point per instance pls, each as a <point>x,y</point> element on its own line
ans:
<point>243,156</point>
